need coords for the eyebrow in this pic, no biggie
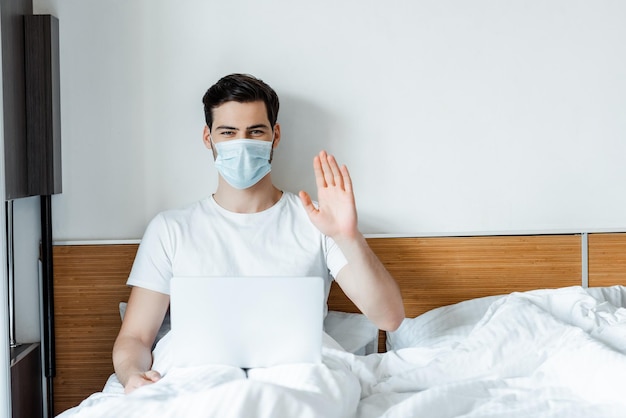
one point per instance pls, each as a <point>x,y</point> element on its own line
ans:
<point>232,128</point>
<point>229,128</point>
<point>259,125</point>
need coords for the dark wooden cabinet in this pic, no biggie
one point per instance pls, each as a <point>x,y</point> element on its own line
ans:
<point>14,97</point>
<point>43,103</point>
<point>26,379</point>
<point>31,101</point>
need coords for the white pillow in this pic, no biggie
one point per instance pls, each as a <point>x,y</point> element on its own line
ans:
<point>440,326</point>
<point>354,332</point>
<point>454,322</point>
<point>615,295</point>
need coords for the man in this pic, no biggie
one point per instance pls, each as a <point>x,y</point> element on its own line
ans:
<point>250,227</point>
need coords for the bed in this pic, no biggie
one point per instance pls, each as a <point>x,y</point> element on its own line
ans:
<point>498,326</point>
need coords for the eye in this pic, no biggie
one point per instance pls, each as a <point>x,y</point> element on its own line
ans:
<point>257,132</point>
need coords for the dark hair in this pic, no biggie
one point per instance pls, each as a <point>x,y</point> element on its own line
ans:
<point>242,88</point>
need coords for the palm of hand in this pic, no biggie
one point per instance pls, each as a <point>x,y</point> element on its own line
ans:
<point>336,214</point>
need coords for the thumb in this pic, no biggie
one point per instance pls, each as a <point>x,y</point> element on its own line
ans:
<point>153,375</point>
<point>306,201</point>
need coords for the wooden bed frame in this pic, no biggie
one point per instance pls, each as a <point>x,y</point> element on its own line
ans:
<point>89,284</point>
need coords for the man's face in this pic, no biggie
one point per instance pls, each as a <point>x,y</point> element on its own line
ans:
<point>234,120</point>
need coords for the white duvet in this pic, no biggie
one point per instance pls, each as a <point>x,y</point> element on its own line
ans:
<point>546,353</point>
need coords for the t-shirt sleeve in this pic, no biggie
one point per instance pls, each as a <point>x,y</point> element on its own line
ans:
<point>152,268</point>
<point>335,260</point>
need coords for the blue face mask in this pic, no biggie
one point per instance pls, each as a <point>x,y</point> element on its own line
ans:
<point>243,162</point>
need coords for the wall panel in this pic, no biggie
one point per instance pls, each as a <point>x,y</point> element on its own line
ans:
<point>607,259</point>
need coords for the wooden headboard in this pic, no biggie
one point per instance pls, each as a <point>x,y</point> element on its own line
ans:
<point>90,282</point>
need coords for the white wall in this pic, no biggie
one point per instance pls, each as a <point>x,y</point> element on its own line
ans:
<point>453,116</point>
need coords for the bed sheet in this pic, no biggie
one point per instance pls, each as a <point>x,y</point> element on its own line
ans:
<point>549,353</point>
<point>328,389</point>
<point>546,353</point>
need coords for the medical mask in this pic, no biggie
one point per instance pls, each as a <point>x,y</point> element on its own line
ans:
<point>243,162</point>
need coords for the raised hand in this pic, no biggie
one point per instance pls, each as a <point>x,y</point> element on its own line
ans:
<point>363,279</point>
<point>336,214</point>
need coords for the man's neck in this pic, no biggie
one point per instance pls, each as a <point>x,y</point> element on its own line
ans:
<point>257,198</point>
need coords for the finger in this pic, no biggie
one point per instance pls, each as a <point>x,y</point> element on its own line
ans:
<point>306,199</point>
<point>320,181</point>
<point>308,203</point>
<point>334,167</point>
<point>347,180</point>
<point>153,375</point>
<point>326,170</point>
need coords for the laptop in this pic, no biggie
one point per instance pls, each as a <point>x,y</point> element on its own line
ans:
<point>246,322</point>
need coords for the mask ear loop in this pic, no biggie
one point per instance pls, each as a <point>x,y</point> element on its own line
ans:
<point>272,149</point>
<point>213,150</point>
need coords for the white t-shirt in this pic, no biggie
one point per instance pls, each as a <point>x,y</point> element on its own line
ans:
<point>205,239</point>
